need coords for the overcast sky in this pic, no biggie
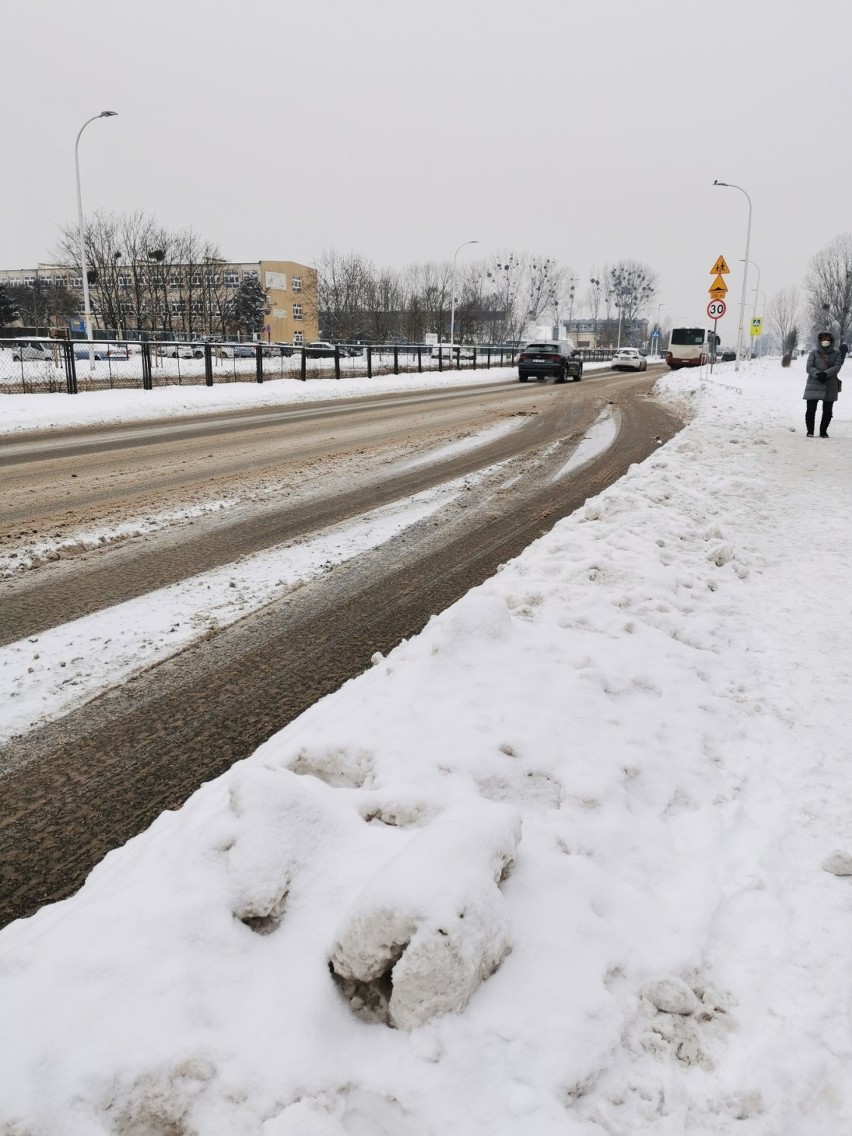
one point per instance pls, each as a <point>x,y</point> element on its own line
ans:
<point>589,132</point>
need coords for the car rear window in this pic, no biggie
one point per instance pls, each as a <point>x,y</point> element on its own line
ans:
<point>542,347</point>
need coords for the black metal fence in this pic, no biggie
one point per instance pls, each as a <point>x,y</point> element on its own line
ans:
<point>41,365</point>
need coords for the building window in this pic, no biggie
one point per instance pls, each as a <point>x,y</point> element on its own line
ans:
<point>176,307</point>
<point>297,311</point>
<point>124,281</point>
<point>251,275</point>
<point>195,278</point>
<point>232,279</point>
<point>76,281</point>
<point>297,283</point>
<point>298,337</point>
<point>174,280</point>
<point>61,281</point>
<point>197,308</point>
<point>126,308</point>
<point>212,278</point>
<point>47,281</point>
<point>157,279</point>
<point>29,281</point>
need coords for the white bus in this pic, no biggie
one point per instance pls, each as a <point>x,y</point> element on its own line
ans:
<point>691,347</point>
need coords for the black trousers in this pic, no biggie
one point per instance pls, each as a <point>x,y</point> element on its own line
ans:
<point>810,415</point>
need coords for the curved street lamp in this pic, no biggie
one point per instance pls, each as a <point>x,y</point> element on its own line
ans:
<point>453,295</point>
<point>86,309</point>
<point>730,185</point>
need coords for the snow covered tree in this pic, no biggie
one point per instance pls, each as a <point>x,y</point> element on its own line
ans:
<point>8,308</point>
<point>249,307</point>
<point>829,284</point>
<point>782,318</point>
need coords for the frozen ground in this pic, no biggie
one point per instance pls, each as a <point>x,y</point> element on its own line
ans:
<point>574,860</point>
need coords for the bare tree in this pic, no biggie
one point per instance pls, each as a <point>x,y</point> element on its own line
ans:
<point>632,286</point>
<point>829,284</point>
<point>783,316</point>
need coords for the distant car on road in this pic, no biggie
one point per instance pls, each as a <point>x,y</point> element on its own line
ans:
<point>556,357</point>
<point>629,359</point>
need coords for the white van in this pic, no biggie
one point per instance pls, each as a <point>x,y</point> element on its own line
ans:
<point>29,349</point>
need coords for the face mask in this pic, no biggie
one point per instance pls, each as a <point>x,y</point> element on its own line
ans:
<point>825,343</point>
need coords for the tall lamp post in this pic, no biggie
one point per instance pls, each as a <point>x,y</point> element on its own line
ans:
<point>86,309</point>
<point>755,290</point>
<point>453,296</point>
<point>730,185</point>
<point>659,328</point>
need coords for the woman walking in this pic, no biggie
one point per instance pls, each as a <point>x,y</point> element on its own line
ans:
<point>824,363</point>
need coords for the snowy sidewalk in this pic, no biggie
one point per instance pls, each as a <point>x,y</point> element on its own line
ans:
<point>569,841</point>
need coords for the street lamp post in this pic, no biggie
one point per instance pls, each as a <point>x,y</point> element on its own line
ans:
<point>755,290</point>
<point>86,309</point>
<point>453,296</point>
<point>730,185</point>
<point>659,328</point>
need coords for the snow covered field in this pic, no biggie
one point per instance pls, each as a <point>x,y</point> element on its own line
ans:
<point>555,866</point>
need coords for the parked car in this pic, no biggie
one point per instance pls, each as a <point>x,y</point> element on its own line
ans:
<point>320,349</point>
<point>181,351</point>
<point>629,359</point>
<point>556,357</point>
<point>29,350</point>
<point>234,350</point>
<point>730,356</point>
<point>101,351</point>
<point>278,350</point>
<point>459,350</point>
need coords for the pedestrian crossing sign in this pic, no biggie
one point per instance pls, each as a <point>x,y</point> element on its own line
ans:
<point>757,326</point>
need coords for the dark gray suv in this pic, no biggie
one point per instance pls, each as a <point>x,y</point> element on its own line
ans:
<point>558,358</point>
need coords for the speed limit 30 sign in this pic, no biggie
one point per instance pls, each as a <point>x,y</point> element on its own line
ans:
<point>716,309</point>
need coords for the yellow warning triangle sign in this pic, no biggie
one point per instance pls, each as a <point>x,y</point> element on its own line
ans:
<point>720,267</point>
<point>718,285</point>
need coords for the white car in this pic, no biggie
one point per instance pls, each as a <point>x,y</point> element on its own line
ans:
<point>459,351</point>
<point>181,351</point>
<point>29,350</point>
<point>629,359</point>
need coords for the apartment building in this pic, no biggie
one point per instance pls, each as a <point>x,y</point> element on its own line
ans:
<point>178,300</point>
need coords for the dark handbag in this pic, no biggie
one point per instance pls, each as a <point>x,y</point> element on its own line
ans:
<point>839,386</point>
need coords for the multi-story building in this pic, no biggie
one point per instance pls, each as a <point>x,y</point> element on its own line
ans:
<point>177,300</point>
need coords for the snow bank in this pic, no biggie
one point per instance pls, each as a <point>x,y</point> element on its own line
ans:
<point>653,693</point>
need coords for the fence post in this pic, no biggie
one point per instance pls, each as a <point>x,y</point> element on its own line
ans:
<point>419,360</point>
<point>395,359</point>
<point>70,366</point>
<point>440,357</point>
<point>258,362</point>
<point>487,358</point>
<point>304,374</point>
<point>369,361</point>
<point>208,364</point>
<point>336,361</point>
<point>147,381</point>
<point>474,359</point>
